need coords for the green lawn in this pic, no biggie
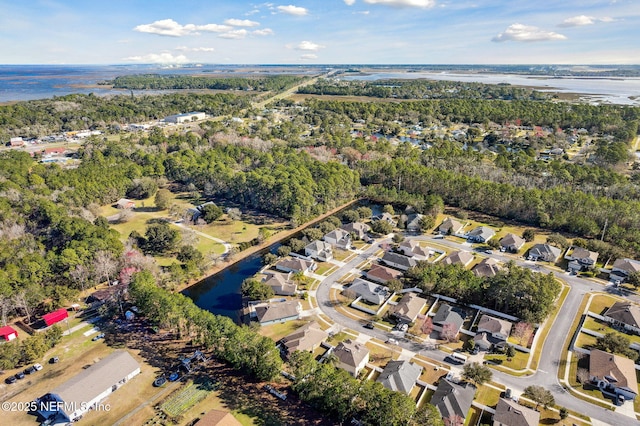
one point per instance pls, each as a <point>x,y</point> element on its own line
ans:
<point>488,396</point>
<point>518,362</point>
<point>278,331</point>
<point>585,341</point>
<point>601,302</point>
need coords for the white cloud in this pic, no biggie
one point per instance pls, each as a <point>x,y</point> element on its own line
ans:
<point>169,27</point>
<point>424,4</point>
<point>308,45</point>
<point>241,23</point>
<point>520,32</point>
<point>263,32</point>
<point>195,49</point>
<point>293,10</point>
<point>159,58</point>
<point>234,34</point>
<point>349,2</point>
<point>309,56</point>
<point>578,21</point>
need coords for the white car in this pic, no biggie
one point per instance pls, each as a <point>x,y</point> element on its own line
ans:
<point>38,367</point>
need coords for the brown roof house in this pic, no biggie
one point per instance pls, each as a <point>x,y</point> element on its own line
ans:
<point>358,230</point>
<point>510,413</point>
<point>218,418</point>
<point>497,328</point>
<point>461,257</point>
<point>296,265</point>
<point>488,267</point>
<point>450,226</point>
<point>351,356</point>
<point>512,243</point>
<point>306,338</point>
<point>282,284</point>
<point>273,313</point>
<point>400,376</point>
<point>622,268</point>
<point>408,307</point>
<point>382,274</point>
<point>625,314</point>
<point>412,249</point>
<point>613,374</point>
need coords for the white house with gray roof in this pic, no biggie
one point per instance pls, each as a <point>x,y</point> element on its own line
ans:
<point>400,376</point>
<point>371,292</point>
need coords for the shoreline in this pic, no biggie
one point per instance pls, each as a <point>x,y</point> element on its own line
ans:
<point>266,243</point>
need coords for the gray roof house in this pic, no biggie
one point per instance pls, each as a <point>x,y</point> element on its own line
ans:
<point>461,257</point>
<point>498,328</point>
<point>339,238</point>
<point>510,413</point>
<point>448,315</point>
<point>387,217</point>
<point>398,261</point>
<point>481,234</point>
<point>400,376</point>
<point>351,356</point>
<point>76,396</point>
<point>452,399</point>
<point>281,284</point>
<point>414,223</point>
<point>319,250</point>
<point>585,258</point>
<point>408,307</point>
<point>371,292</point>
<point>358,229</point>
<point>306,338</point>
<point>622,268</point>
<point>512,243</point>
<point>296,265</point>
<point>626,314</point>
<point>382,274</point>
<point>545,252</point>
<point>450,226</point>
<point>488,267</point>
<point>272,313</point>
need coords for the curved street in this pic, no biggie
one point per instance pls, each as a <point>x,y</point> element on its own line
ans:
<point>552,349</point>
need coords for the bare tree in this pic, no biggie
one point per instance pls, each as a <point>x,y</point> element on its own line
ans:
<point>105,266</point>
<point>449,332</point>
<point>523,332</point>
<point>22,303</point>
<point>80,275</point>
<point>6,306</point>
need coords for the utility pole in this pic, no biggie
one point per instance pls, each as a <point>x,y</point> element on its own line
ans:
<point>606,222</point>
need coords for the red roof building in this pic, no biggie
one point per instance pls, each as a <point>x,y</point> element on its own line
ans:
<point>55,316</point>
<point>8,333</point>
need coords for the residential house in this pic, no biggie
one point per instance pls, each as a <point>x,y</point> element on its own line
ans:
<point>510,413</point>
<point>450,226</point>
<point>624,314</point>
<point>482,341</point>
<point>339,238</point>
<point>512,243</point>
<point>461,257</point>
<point>306,338</point>
<point>488,267</point>
<point>382,274</point>
<point>613,374</point>
<point>414,223</point>
<point>273,313</point>
<point>358,230</point>
<point>218,418</point>
<point>352,357</point>
<point>8,333</point>
<point>622,268</point>
<point>282,284</point>
<point>16,142</point>
<point>545,252</point>
<point>125,204</point>
<point>413,249</point>
<point>296,265</point>
<point>319,250</point>
<point>408,307</point>
<point>398,261</point>
<point>481,234</point>
<point>452,399</point>
<point>449,315</point>
<point>497,328</point>
<point>580,258</point>
<point>387,217</point>
<point>373,293</point>
<point>400,376</point>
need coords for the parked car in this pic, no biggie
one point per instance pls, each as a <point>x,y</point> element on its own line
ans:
<point>53,360</point>
<point>369,325</point>
<point>10,380</point>
<point>19,375</point>
<point>507,393</point>
<point>30,370</point>
<point>392,341</point>
<point>173,377</point>
<point>38,367</point>
<point>98,337</point>
<point>160,381</point>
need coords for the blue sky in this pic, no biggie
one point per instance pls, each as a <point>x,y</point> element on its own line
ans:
<point>320,31</point>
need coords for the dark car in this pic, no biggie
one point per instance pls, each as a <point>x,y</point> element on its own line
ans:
<point>98,337</point>
<point>369,325</point>
<point>30,370</point>
<point>11,379</point>
<point>54,360</point>
<point>507,393</point>
<point>160,381</point>
<point>19,375</point>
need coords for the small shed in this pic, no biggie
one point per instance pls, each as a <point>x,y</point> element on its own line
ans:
<point>55,316</point>
<point>8,333</point>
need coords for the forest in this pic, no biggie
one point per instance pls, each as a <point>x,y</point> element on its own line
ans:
<point>166,82</point>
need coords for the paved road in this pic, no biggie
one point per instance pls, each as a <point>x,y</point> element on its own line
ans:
<point>553,346</point>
